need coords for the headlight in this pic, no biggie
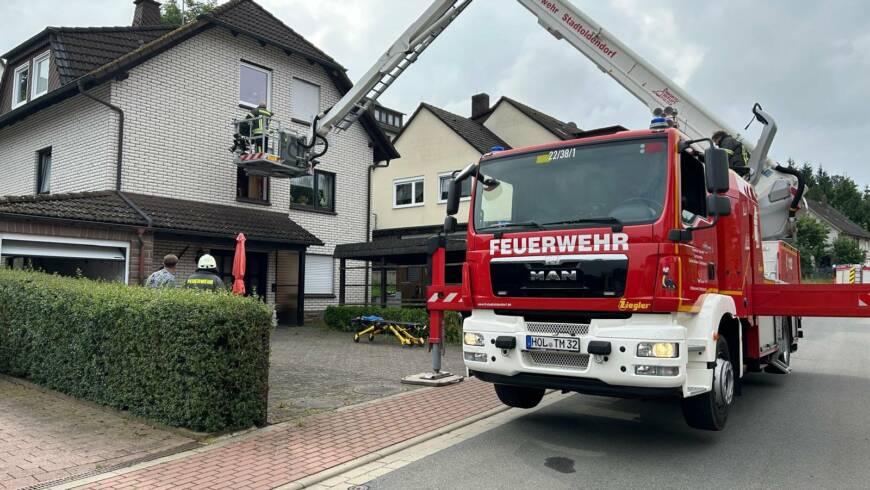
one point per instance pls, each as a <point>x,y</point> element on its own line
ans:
<point>658,349</point>
<point>471,338</point>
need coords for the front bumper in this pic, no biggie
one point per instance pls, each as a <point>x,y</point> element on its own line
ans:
<point>613,374</point>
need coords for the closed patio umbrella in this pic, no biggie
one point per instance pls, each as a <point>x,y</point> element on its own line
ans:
<point>239,266</point>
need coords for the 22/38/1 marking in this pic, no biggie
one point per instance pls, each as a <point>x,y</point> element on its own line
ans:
<point>534,342</point>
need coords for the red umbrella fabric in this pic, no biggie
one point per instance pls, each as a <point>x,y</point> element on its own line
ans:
<point>239,264</point>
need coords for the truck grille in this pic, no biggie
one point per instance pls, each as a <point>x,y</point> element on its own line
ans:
<point>579,329</point>
<point>557,359</point>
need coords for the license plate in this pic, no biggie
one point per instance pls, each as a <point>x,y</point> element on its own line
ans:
<point>534,342</point>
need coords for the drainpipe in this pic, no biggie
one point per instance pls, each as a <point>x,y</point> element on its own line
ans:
<point>118,165</point>
<point>120,113</point>
<point>139,233</point>
<point>372,168</point>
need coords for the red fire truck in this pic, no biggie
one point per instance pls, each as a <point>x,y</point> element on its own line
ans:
<point>627,264</point>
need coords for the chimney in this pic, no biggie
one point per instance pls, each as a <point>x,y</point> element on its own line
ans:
<point>479,105</point>
<point>147,13</point>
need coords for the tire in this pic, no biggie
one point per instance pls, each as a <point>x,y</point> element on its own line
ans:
<point>519,396</point>
<point>785,346</point>
<point>709,411</point>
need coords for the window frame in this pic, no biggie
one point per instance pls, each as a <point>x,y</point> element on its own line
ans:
<point>410,180</point>
<point>319,294</point>
<point>293,117</point>
<point>46,56</point>
<point>16,93</point>
<point>251,200</point>
<point>262,69</point>
<point>314,189</point>
<point>40,177</point>
<point>441,176</point>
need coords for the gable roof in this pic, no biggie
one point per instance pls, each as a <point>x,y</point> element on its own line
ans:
<point>473,132</point>
<point>168,215</point>
<point>79,50</point>
<point>561,130</point>
<point>94,55</point>
<point>837,219</point>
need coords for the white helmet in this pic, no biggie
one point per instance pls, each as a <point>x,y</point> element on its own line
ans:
<point>207,262</point>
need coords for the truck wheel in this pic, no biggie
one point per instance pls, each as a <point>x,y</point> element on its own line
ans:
<point>519,396</point>
<point>709,411</point>
<point>785,346</point>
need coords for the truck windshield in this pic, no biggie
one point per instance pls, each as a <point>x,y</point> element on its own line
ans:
<point>581,186</point>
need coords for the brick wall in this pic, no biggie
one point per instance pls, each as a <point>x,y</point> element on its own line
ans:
<point>192,90</point>
<point>82,135</point>
<point>49,229</point>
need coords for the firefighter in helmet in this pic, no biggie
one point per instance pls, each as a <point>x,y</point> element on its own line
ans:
<point>738,157</point>
<point>260,126</point>
<point>205,276</point>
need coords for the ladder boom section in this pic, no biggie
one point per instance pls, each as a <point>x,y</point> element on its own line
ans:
<point>404,52</point>
<point>613,57</point>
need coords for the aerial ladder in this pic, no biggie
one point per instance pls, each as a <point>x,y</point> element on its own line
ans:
<point>779,189</point>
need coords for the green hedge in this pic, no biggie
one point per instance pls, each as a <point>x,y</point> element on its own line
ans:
<point>339,318</point>
<point>181,357</point>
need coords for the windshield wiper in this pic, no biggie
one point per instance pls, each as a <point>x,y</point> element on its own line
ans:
<point>616,225</point>
<point>517,224</point>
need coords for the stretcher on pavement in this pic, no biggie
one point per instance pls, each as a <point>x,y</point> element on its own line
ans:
<point>408,333</point>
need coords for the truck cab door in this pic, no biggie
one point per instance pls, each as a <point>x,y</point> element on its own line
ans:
<point>698,256</point>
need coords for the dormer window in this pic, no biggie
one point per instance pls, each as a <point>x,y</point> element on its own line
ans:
<point>39,86</point>
<point>19,88</point>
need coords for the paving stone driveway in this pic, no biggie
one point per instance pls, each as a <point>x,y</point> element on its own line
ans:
<point>45,437</point>
<point>314,369</point>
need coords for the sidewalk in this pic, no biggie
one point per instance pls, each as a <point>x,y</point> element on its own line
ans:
<point>46,437</point>
<point>287,452</point>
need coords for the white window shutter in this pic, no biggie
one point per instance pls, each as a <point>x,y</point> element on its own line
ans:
<point>318,274</point>
<point>305,101</point>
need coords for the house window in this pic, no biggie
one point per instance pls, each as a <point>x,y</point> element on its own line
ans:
<point>40,75</point>
<point>251,187</point>
<point>444,186</point>
<point>19,87</point>
<point>255,86</point>
<point>43,172</point>
<point>318,274</point>
<point>408,192</point>
<point>305,101</point>
<point>316,191</point>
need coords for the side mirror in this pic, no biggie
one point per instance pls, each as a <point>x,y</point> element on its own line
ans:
<point>454,192</point>
<point>718,205</point>
<point>449,225</point>
<point>716,170</point>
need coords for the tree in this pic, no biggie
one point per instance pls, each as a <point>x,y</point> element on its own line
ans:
<point>844,250</point>
<point>811,238</point>
<point>173,14</point>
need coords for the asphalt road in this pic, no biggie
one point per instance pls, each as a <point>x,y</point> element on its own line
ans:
<point>810,429</point>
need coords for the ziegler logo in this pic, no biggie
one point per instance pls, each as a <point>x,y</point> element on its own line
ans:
<point>633,305</point>
<point>553,275</point>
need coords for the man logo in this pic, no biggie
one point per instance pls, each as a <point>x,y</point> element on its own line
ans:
<point>553,275</point>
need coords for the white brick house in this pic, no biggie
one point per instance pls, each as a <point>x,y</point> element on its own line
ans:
<point>179,90</point>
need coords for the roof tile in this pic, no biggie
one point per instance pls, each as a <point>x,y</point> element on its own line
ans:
<point>477,135</point>
<point>176,215</point>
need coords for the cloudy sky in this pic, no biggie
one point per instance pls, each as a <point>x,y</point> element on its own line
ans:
<point>807,62</point>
